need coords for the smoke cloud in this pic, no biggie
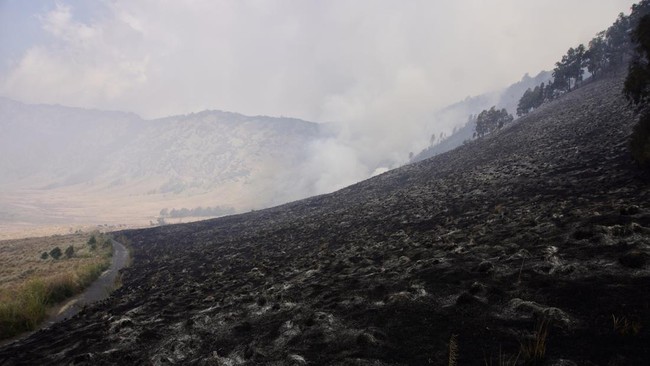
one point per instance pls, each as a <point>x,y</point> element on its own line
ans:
<point>375,70</point>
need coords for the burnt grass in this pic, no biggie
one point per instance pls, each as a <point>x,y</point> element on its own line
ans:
<point>546,221</point>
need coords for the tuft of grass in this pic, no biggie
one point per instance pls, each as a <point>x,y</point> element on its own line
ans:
<point>624,326</point>
<point>89,273</point>
<point>503,360</point>
<point>25,311</point>
<point>60,287</point>
<point>534,350</point>
<point>25,307</point>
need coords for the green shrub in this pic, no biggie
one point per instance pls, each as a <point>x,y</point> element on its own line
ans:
<point>92,242</point>
<point>56,253</point>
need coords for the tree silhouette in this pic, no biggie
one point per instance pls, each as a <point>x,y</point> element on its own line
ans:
<point>56,253</point>
<point>491,120</point>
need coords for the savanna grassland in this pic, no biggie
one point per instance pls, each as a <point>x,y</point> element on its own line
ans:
<point>32,280</point>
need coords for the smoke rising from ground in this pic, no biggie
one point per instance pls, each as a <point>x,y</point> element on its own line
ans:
<point>377,70</point>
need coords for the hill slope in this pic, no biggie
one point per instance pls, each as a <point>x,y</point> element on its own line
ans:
<point>459,112</point>
<point>547,219</point>
<point>66,165</point>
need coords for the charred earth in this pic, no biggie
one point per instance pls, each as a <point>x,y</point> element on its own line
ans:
<point>529,246</point>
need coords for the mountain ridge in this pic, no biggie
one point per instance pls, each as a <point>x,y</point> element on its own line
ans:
<point>506,98</point>
<point>178,161</point>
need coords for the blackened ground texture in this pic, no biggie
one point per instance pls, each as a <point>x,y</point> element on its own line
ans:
<point>532,244</point>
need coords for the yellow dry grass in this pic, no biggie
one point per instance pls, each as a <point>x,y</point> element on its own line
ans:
<point>20,259</point>
<point>30,284</point>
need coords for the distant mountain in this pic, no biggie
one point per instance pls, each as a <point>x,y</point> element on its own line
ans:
<point>458,114</point>
<point>55,158</point>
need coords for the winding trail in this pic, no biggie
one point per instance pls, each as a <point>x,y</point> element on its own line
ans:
<point>98,290</point>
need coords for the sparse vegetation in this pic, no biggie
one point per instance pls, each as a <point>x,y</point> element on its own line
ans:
<point>30,284</point>
<point>56,253</point>
<point>491,120</point>
<point>98,239</point>
<point>196,212</point>
<point>23,308</point>
<point>504,360</point>
<point>625,326</point>
<point>607,51</point>
<point>92,243</point>
<point>534,350</point>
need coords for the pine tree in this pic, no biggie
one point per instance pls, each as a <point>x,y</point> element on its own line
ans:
<point>491,120</point>
<point>524,105</point>
<point>617,40</point>
<point>595,56</point>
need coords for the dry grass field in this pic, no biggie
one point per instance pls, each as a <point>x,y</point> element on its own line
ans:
<point>20,259</point>
<point>10,231</point>
<point>31,282</point>
<point>28,212</point>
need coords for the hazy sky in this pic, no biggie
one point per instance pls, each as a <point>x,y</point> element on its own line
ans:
<point>323,60</point>
<point>378,69</point>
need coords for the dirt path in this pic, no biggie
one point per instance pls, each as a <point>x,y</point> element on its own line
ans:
<point>98,290</point>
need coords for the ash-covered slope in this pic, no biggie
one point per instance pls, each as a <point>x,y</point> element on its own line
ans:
<point>548,219</point>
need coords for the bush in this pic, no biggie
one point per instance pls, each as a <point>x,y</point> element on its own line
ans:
<point>69,251</point>
<point>44,255</point>
<point>56,253</point>
<point>92,242</point>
